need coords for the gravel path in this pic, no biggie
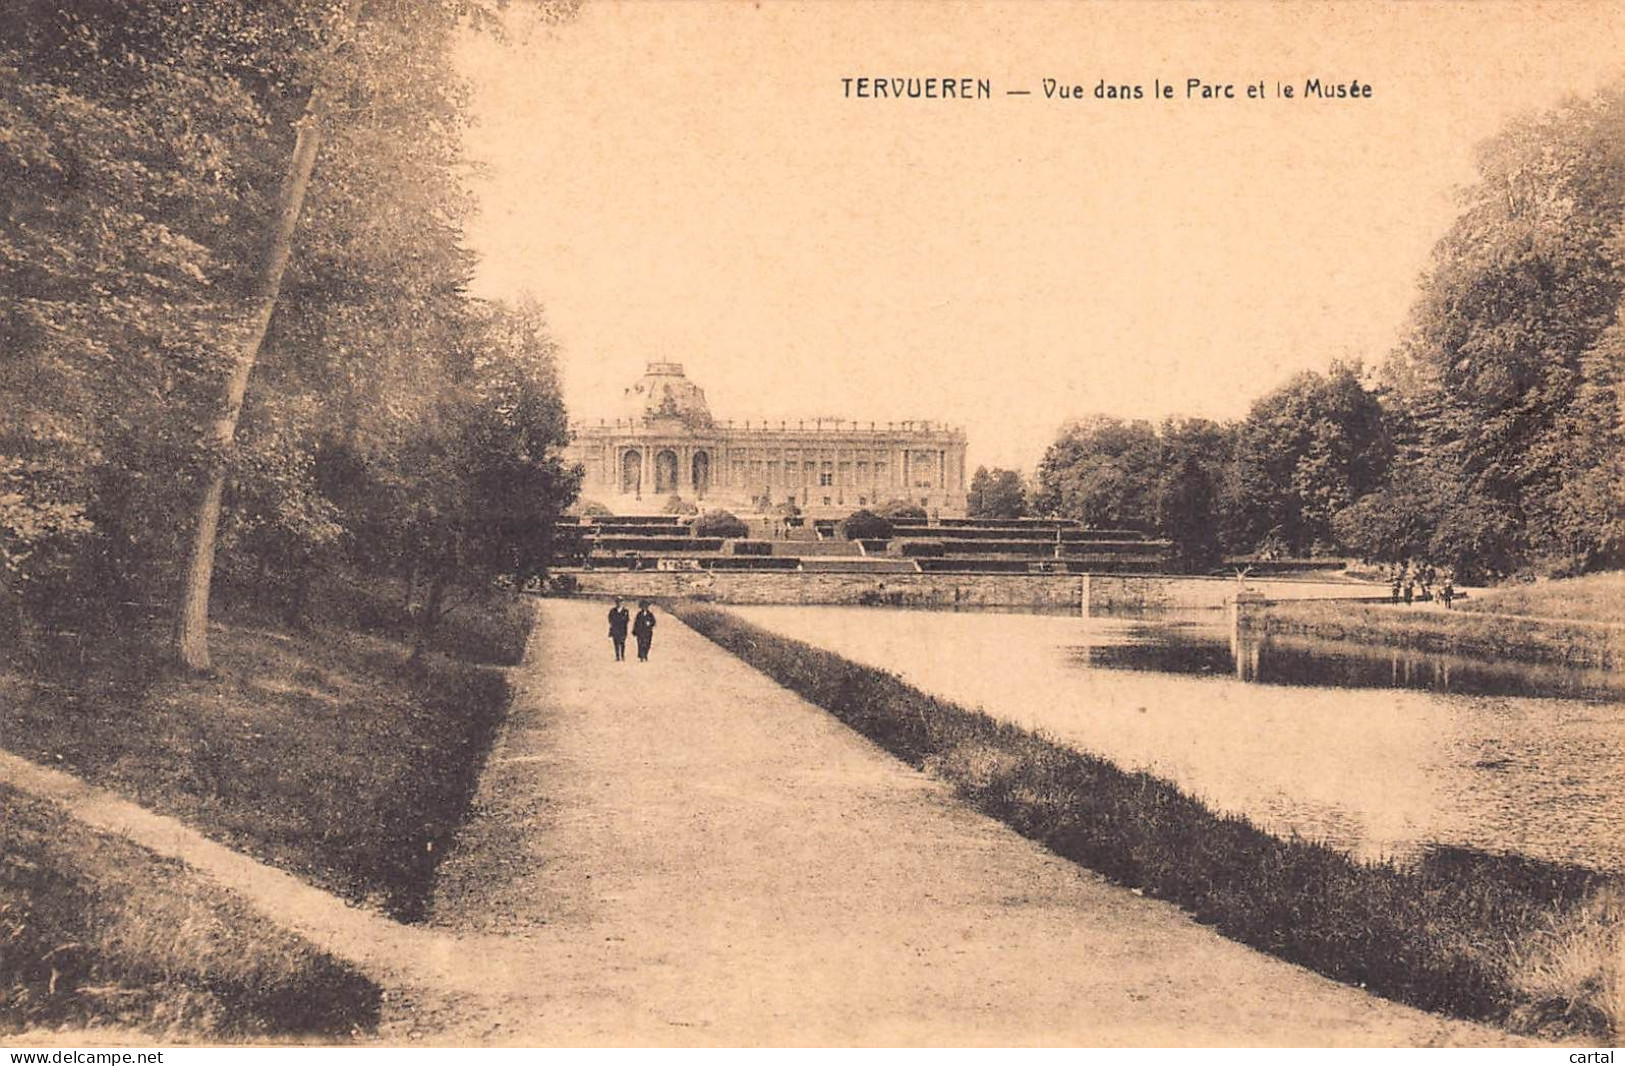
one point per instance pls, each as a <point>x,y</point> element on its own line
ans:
<point>682,852</point>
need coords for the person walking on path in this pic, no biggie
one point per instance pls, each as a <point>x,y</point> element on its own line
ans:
<point>619,618</point>
<point>1448,593</point>
<point>643,628</point>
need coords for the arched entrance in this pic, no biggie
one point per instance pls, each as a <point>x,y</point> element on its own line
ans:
<point>701,473</point>
<point>632,472</point>
<point>665,471</point>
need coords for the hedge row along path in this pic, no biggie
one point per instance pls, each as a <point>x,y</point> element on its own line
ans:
<point>682,852</point>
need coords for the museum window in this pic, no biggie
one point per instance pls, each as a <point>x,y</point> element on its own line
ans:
<point>863,501</point>
<point>826,501</point>
<point>826,479</point>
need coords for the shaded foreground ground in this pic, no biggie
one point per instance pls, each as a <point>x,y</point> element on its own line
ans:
<point>313,748</point>
<point>316,749</point>
<point>682,852</point>
<point>98,931</point>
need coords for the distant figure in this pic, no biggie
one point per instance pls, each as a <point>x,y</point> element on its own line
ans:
<point>1410,591</point>
<point>643,628</point>
<point>619,619</point>
<point>1399,585</point>
<point>1448,593</point>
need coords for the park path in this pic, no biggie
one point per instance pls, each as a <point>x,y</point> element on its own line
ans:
<point>683,852</point>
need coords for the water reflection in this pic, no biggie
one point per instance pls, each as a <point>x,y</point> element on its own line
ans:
<point>1189,647</point>
<point>1383,752</point>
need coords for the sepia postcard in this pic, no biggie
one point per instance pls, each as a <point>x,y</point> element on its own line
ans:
<point>812,524</point>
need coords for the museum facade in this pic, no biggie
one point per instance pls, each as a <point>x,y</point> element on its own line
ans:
<point>666,443</point>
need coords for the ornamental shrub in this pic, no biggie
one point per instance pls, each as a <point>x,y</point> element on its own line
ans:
<point>902,509</point>
<point>865,525</point>
<point>720,524</point>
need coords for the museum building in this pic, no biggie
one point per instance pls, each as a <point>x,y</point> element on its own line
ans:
<point>666,443</point>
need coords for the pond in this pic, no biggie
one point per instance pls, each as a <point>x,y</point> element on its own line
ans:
<point>1382,752</point>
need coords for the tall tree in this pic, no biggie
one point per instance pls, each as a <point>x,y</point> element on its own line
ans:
<point>1103,472</point>
<point>1510,373</point>
<point>192,626</point>
<point>997,493</point>
<point>1305,451</point>
<point>1191,470</point>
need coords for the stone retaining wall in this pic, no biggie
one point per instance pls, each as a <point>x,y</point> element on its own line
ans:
<point>1100,593</point>
<point>1153,592</point>
<point>907,590</point>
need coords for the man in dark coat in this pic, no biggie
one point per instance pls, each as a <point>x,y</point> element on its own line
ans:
<point>619,617</point>
<point>643,628</point>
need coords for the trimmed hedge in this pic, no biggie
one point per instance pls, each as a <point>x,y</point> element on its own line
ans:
<point>752,547</point>
<point>947,532</point>
<point>1021,524</point>
<point>976,566</point>
<point>929,549</point>
<point>658,544</point>
<point>751,562</point>
<point>636,521</point>
<point>1070,535</point>
<point>1045,548</point>
<point>1115,547</point>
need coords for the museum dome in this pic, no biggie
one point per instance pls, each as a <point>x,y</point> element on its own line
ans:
<point>665,393</point>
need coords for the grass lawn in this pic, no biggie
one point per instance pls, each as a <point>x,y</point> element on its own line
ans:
<point>95,931</point>
<point>1591,598</point>
<point>1536,639</point>
<point>317,751</point>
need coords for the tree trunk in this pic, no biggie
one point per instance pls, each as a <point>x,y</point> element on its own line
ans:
<point>192,624</point>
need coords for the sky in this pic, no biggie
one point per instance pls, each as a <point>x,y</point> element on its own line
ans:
<point>690,182</point>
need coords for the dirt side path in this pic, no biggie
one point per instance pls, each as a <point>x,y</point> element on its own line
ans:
<point>682,852</point>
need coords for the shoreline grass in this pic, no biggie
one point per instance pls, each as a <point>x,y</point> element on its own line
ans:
<point>1493,636</point>
<point>1588,598</point>
<point>1461,932</point>
<point>98,932</point>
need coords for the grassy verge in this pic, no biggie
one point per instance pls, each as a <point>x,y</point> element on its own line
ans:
<point>1533,640</point>
<point>1493,938</point>
<point>1591,598</point>
<point>315,749</point>
<point>96,931</point>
